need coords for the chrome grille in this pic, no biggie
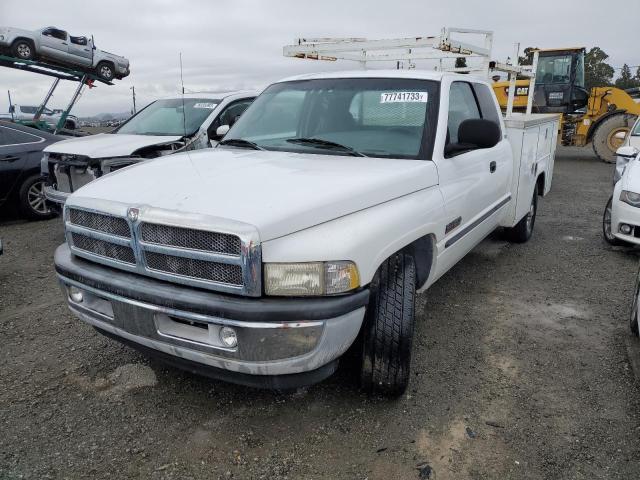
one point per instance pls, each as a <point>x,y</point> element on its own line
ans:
<point>100,222</point>
<point>104,249</point>
<point>190,238</point>
<point>213,260</point>
<point>195,268</point>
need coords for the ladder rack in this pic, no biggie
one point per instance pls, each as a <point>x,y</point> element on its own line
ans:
<point>401,50</point>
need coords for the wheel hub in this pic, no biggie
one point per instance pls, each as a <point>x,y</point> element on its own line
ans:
<point>614,142</point>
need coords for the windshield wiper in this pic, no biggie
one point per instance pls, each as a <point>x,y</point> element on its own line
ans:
<point>321,143</point>
<point>241,143</point>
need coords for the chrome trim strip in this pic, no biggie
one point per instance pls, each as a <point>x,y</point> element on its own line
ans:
<point>189,315</point>
<point>190,253</point>
<point>477,222</point>
<point>97,234</point>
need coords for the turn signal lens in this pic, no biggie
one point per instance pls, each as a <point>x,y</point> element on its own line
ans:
<point>228,337</point>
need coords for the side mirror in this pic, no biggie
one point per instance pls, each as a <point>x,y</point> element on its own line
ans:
<point>222,130</point>
<point>623,156</point>
<point>479,132</point>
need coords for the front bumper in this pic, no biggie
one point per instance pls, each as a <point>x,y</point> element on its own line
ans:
<point>623,213</point>
<point>281,342</point>
<point>54,195</point>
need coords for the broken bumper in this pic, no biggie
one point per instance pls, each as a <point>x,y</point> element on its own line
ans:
<point>281,343</point>
<point>55,196</point>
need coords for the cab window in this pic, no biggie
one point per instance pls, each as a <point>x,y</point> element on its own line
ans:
<point>462,106</point>
<point>229,115</point>
<point>55,33</point>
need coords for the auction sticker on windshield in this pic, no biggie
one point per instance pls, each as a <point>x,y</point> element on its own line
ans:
<point>403,97</point>
<point>209,106</point>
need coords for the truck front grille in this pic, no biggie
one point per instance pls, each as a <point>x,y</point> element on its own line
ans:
<point>100,222</point>
<point>192,239</point>
<point>104,249</point>
<point>205,259</point>
<point>195,268</point>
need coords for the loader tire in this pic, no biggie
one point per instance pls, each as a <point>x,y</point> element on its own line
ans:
<point>604,142</point>
<point>388,328</point>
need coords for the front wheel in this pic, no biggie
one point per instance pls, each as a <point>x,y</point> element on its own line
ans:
<point>524,228</point>
<point>608,235</point>
<point>23,50</point>
<point>32,201</point>
<point>388,328</point>
<point>105,71</point>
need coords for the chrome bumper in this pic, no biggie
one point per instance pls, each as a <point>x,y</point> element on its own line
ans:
<point>54,195</point>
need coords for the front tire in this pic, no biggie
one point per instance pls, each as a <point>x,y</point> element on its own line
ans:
<point>32,202</point>
<point>604,138</point>
<point>609,237</point>
<point>389,326</point>
<point>523,230</point>
<point>105,71</point>
<point>23,49</point>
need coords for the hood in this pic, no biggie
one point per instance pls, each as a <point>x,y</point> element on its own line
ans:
<point>106,145</point>
<point>277,192</point>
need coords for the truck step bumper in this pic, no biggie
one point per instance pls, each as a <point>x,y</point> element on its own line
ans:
<point>267,347</point>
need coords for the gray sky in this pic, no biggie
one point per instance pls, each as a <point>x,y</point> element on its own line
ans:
<point>238,43</point>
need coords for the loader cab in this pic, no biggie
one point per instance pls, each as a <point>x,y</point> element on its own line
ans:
<point>560,83</point>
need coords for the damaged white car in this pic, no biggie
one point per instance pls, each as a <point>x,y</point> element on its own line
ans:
<point>164,127</point>
<point>621,219</point>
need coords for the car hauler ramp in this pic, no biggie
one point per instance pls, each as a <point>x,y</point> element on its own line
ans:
<point>59,73</point>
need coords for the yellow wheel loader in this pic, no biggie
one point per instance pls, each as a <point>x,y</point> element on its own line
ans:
<point>602,116</point>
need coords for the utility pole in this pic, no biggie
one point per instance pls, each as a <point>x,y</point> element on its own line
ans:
<point>10,105</point>
<point>133,91</point>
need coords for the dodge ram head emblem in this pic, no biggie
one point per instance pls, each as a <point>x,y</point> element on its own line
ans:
<point>132,213</point>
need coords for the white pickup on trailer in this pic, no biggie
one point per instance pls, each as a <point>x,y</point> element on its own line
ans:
<point>326,207</point>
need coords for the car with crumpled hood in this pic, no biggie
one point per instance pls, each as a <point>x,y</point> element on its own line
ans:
<point>164,127</point>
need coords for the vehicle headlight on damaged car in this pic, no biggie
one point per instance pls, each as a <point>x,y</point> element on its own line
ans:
<point>310,278</point>
<point>630,198</point>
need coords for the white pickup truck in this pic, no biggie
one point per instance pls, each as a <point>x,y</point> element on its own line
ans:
<point>327,206</point>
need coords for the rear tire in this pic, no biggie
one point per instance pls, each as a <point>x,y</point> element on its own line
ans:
<point>633,321</point>
<point>606,226</point>
<point>604,142</point>
<point>523,230</point>
<point>105,71</point>
<point>31,200</point>
<point>23,49</point>
<point>388,328</point>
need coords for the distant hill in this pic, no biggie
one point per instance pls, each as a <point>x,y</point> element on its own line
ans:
<point>105,117</point>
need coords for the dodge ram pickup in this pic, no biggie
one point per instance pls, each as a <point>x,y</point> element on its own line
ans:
<point>308,230</point>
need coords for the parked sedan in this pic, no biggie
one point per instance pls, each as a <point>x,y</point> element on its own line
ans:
<point>20,180</point>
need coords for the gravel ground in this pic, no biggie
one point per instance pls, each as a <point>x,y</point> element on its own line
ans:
<point>521,370</point>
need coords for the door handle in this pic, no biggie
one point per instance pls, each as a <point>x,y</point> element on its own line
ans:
<point>9,158</point>
<point>492,166</point>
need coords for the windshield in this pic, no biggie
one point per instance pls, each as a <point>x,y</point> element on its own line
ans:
<point>636,128</point>
<point>554,69</point>
<point>168,117</point>
<point>375,117</point>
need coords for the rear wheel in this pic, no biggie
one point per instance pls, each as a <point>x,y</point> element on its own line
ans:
<point>32,201</point>
<point>23,49</point>
<point>605,142</point>
<point>389,326</point>
<point>524,228</point>
<point>608,235</point>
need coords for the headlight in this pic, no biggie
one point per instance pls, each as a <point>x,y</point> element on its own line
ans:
<point>630,198</point>
<point>312,278</point>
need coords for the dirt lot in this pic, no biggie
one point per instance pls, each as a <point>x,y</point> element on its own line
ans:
<point>521,370</point>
